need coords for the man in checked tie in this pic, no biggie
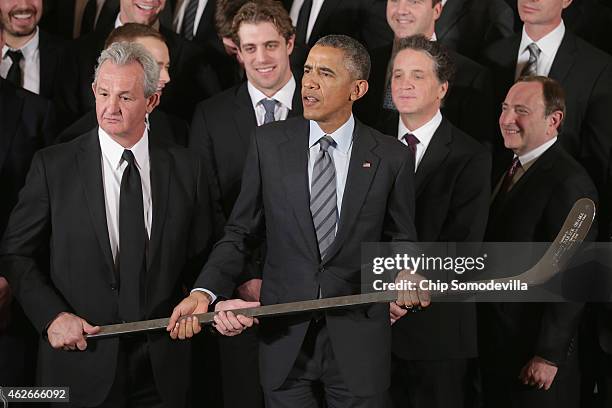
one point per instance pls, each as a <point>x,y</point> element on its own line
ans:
<point>128,221</point>
<point>315,188</point>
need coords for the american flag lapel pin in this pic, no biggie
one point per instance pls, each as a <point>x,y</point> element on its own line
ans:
<point>366,165</point>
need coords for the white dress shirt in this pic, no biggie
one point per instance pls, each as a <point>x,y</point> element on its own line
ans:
<point>314,13</point>
<point>177,22</point>
<point>284,96</point>
<point>548,45</point>
<point>119,23</point>
<point>113,167</point>
<point>534,154</point>
<point>30,63</point>
<point>424,134</point>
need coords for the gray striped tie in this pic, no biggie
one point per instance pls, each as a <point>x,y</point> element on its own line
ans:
<point>269,105</point>
<point>532,65</point>
<point>189,19</point>
<point>323,196</point>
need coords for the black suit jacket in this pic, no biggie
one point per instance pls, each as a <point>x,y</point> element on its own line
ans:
<point>452,205</point>
<point>274,201</point>
<point>62,207</point>
<point>163,127</point>
<point>468,104</point>
<point>191,79</point>
<point>586,76</point>
<point>364,20</point>
<point>50,49</point>
<point>468,26</point>
<point>515,332</point>
<point>27,123</point>
<point>221,132</point>
<point>58,17</point>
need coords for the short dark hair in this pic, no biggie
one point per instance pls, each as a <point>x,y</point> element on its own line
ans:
<point>552,93</point>
<point>434,2</point>
<point>224,16</point>
<point>356,56</point>
<point>130,32</point>
<point>261,11</point>
<point>444,68</point>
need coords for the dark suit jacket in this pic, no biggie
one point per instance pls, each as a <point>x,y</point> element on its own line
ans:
<point>468,26</point>
<point>50,49</point>
<point>191,79</point>
<point>468,104</point>
<point>58,17</point>
<point>26,125</point>
<point>364,20</point>
<point>62,207</point>
<point>221,132</point>
<point>515,332</point>
<point>586,76</point>
<point>592,21</point>
<point>452,205</point>
<point>274,201</point>
<point>163,127</point>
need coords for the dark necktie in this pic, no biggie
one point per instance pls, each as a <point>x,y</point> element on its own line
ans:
<point>89,17</point>
<point>301,28</point>
<point>323,196</point>
<point>14,72</point>
<point>189,19</point>
<point>132,241</point>
<point>507,183</point>
<point>412,142</point>
<point>532,65</point>
<point>269,105</point>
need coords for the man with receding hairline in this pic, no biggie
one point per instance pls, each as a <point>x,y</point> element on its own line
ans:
<point>315,188</point>
<point>127,220</point>
<point>528,351</point>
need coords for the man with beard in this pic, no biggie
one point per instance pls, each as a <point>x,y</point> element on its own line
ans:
<point>31,56</point>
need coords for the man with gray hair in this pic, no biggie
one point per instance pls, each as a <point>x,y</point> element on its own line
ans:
<point>120,248</point>
<point>315,188</point>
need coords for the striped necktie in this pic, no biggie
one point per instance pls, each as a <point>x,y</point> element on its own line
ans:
<point>323,205</point>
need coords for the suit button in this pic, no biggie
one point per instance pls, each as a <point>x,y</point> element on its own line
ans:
<point>321,269</point>
<point>113,287</point>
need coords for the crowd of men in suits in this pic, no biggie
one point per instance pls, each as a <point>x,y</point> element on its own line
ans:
<point>170,157</point>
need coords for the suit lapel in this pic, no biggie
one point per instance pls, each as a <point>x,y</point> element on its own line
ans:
<point>434,156</point>
<point>90,172</point>
<point>324,14</point>
<point>48,54</point>
<point>244,115</point>
<point>451,13</point>
<point>297,108</point>
<point>357,185</point>
<point>294,156</point>
<point>160,180</point>
<point>10,115</point>
<point>564,60</point>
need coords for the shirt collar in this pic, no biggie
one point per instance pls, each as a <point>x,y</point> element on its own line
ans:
<point>283,95</point>
<point>119,23</point>
<point>549,44</point>
<point>424,133</point>
<point>343,136</point>
<point>28,49</point>
<point>113,151</point>
<point>537,152</point>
